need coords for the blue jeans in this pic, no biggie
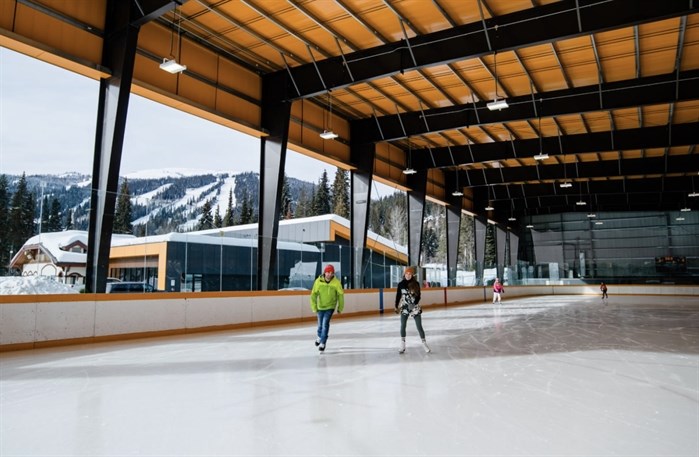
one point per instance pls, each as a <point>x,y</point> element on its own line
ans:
<point>324,324</point>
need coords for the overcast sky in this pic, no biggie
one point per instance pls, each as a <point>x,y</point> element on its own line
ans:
<point>47,125</point>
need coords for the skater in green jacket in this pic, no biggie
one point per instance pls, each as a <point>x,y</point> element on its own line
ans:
<point>326,296</point>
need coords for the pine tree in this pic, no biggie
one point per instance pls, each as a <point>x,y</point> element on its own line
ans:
<point>54,222</point>
<point>4,225</point>
<point>490,256</point>
<point>467,243</point>
<point>21,215</point>
<point>285,211</point>
<point>321,198</point>
<point>228,218</point>
<point>122,216</point>
<point>246,215</point>
<point>341,200</point>
<point>303,205</point>
<point>68,224</point>
<point>44,225</point>
<point>218,220</point>
<point>207,221</point>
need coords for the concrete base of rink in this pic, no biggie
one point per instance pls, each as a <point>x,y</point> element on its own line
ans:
<point>544,376</point>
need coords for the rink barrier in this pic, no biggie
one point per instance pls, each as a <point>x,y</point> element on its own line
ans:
<point>37,321</point>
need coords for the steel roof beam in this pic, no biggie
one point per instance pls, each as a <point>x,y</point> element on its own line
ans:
<point>555,21</point>
<point>628,139</point>
<point>651,90</point>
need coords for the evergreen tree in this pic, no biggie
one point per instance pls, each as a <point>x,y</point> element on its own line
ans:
<point>21,215</point>
<point>54,222</point>
<point>341,200</point>
<point>467,244</point>
<point>44,225</point>
<point>490,256</point>
<point>246,214</point>
<point>4,225</point>
<point>228,217</point>
<point>285,211</point>
<point>218,220</point>
<point>68,224</point>
<point>206,221</point>
<point>321,198</point>
<point>303,206</point>
<point>122,216</point>
<point>430,244</point>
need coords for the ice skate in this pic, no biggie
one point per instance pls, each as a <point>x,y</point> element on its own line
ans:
<point>317,342</point>
<point>321,347</point>
<point>425,346</point>
<point>402,347</point>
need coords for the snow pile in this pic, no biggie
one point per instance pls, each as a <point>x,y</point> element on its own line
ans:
<point>34,285</point>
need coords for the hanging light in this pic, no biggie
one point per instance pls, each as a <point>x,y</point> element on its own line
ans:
<point>490,205</point>
<point>581,203</point>
<point>408,169</point>
<point>566,184</point>
<point>328,133</point>
<point>541,155</point>
<point>457,192</point>
<point>498,103</point>
<point>171,65</point>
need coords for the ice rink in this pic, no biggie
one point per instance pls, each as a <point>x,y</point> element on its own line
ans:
<point>546,376</point>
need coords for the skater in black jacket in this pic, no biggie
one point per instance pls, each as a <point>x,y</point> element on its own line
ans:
<point>408,304</point>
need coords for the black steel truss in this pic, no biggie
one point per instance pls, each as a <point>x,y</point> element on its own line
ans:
<point>652,90</point>
<point>555,21</point>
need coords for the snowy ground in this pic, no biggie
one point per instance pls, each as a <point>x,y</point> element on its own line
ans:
<point>34,285</point>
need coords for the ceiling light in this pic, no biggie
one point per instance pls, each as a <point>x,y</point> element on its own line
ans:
<point>497,105</point>
<point>457,193</point>
<point>328,135</point>
<point>581,203</point>
<point>512,219</point>
<point>530,226</point>
<point>686,210</point>
<point>694,194</point>
<point>171,66</point>
<point>409,171</point>
<point>566,184</point>
<point>541,156</point>
<point>489,208</point>
<point>599,223</point>
<point>679,218</point>
<point>591,215</point>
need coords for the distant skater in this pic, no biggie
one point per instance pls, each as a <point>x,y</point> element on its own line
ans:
<point>407,304</point>
<point>603,288</point>
<point>497,290</point>
<point>326,296</point>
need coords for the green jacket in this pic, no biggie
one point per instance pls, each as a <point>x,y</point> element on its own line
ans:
<point>327,295</point>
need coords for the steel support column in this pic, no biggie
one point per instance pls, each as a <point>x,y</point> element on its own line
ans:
<point>275,120</point>
<point>500,243</point>
<point>362,156</point>
<point>454,206</point>
<point>122,25</point>
<point>480,226</point>
<point>416,214</point>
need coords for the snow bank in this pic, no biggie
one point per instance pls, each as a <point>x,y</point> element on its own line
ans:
<point>34,285</point>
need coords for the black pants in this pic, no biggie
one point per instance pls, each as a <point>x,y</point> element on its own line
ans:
<point>418,324</point>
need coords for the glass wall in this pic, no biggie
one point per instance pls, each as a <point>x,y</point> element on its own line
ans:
<point>630,247</point>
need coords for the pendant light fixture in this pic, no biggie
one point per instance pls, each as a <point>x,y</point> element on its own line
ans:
<point>171,65</point>
<point>498,103</point>
<point>328,133</point>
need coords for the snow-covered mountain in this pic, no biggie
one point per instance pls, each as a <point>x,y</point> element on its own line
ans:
<point>163,200</point>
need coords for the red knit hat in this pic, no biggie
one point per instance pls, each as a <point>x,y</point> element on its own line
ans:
<point>329,269</point>
<point>409,270</point>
